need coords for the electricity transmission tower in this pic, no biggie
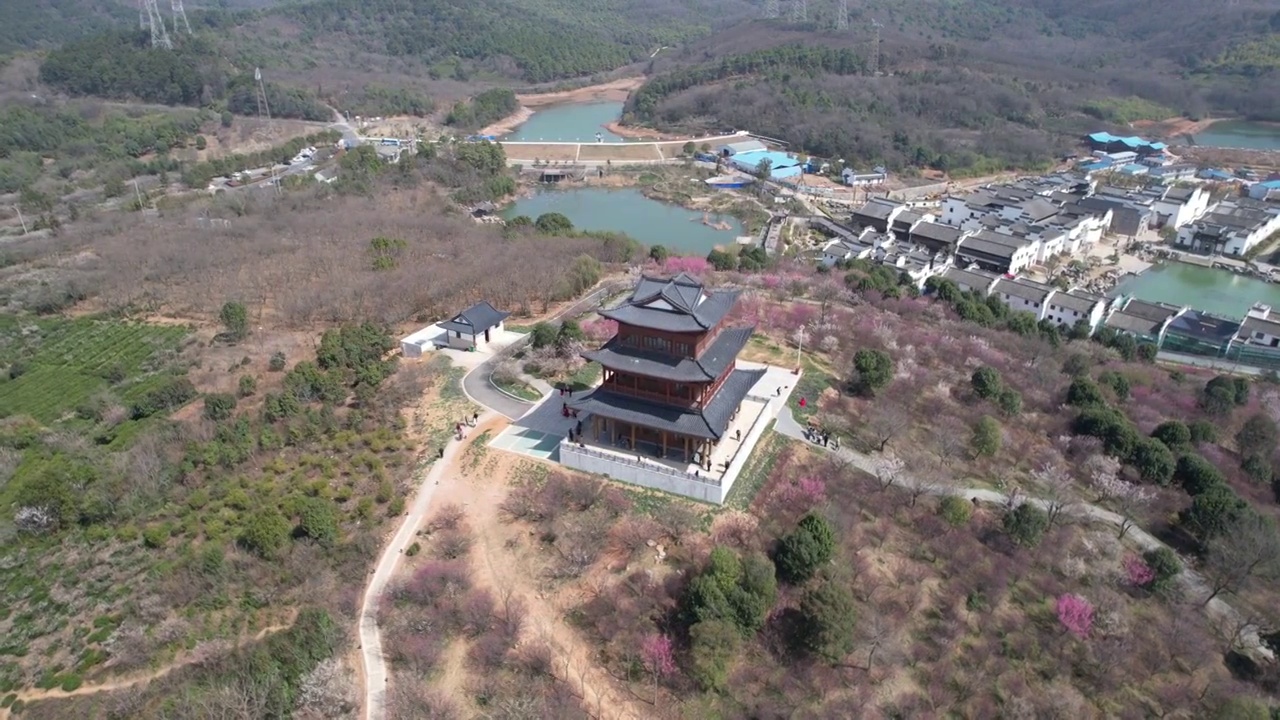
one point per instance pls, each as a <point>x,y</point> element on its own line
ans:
<point>772,9</point>
<point>799,11</point>
<point>155,22</point>
<point>875,46</point>
<point>264,111</point>
<point>842,15</point>
<point>180,17</point>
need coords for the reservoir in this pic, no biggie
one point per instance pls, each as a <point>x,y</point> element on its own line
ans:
<point>1241,134</point>
<point>571,122</point>
<point>1220,292</point>
<point>628,211</point>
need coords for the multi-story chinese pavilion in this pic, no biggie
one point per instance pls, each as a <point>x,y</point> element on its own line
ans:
<point>670,384</point>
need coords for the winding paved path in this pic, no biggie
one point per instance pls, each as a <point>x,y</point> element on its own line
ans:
<point>1193,584</point>
<point>375,668</point>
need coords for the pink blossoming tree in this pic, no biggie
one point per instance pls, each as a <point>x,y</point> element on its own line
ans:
<point>658,656</point>
<point>1138,572</point>
<point>1076,614</point>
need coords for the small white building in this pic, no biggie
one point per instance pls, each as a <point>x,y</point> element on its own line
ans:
<point>1022,295</point>
<point>1068,308</point>
<point>853,178</point>
<point>1181,205</point>
<point>474,327</point>
<point>1260,327</point>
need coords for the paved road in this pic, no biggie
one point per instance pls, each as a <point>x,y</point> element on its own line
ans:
<point>482,392</point>
<point>477,385</point>
<point>1193,584</point>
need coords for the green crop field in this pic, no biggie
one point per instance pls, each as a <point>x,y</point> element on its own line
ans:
<point>55,365</point>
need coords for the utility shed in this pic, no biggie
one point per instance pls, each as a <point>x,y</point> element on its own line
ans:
<point>474,327</point>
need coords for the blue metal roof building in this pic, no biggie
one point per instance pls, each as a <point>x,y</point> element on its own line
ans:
<point>781,165</point>
<point>1107,141</point>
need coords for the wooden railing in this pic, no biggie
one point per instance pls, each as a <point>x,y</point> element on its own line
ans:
<point>664,398</point>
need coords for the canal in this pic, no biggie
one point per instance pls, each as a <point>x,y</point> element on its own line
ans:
<point>1220,292</point>
<point>1240,134</point>
<point>627,210</point>
<point>571,122</point>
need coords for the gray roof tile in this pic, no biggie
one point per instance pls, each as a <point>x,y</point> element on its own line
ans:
<point>710,423</point>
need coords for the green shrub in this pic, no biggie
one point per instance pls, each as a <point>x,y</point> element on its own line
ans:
<point>1165,566</point>
<point>396,507</point>
<point>713,646</point>
<point>1203,431</point>
<point>872,371</point>
<point>265,532</point>
<point>71,682</point>
<point>828,620</point>
<point>317,521</point>
<point>955,510</point>
<point>248,385</point>
<point>1010,402</point>
<point>219,406</point>
<point>986,438</point>
<point>986,382</point>
<point>1173,433</point>
<point>1026,524</point>
<point>806,549</point>
<point>155,536</point>
<point>413,549</point>
<point>277,362</point>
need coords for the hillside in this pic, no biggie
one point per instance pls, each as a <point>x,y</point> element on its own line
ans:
<point>968,86</point>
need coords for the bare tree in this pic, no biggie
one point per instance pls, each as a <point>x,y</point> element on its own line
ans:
<point>1055,489</point>
<point>825,293</point>
<point>889,471</point>
<point>888,419</point>
<point>1249,550</point>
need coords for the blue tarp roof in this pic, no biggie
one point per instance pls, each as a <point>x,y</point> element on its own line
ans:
<point>1100,165</point>
<point>1134,169</point>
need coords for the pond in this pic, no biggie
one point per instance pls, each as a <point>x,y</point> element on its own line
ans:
<point>575,122</point>
<point>1240,134</point>
<point>628,211</point>
<point>1220,292</point>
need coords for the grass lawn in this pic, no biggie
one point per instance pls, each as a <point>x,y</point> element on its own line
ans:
<point>585,378</point>
<point>517,388</point>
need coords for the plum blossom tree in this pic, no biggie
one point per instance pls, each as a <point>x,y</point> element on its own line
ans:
<point>658,656</point>
<point>1126,497</point>
<point>1137,571</point>
<point>1076,614</point>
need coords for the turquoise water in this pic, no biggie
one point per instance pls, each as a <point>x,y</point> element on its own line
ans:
<point>1241,134</point>
<point>1220,292</point>
<point>627,210</point>
<point>569,123</point>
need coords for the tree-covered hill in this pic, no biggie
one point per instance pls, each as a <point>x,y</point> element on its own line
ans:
<point>36,24</point>
<point>543,39</point>
<point>966,85</point>
<point>122,65</point>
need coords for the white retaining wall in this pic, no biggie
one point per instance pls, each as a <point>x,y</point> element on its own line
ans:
<point>640,472</point>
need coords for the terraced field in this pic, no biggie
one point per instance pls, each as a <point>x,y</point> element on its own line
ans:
<point>55,365</point>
